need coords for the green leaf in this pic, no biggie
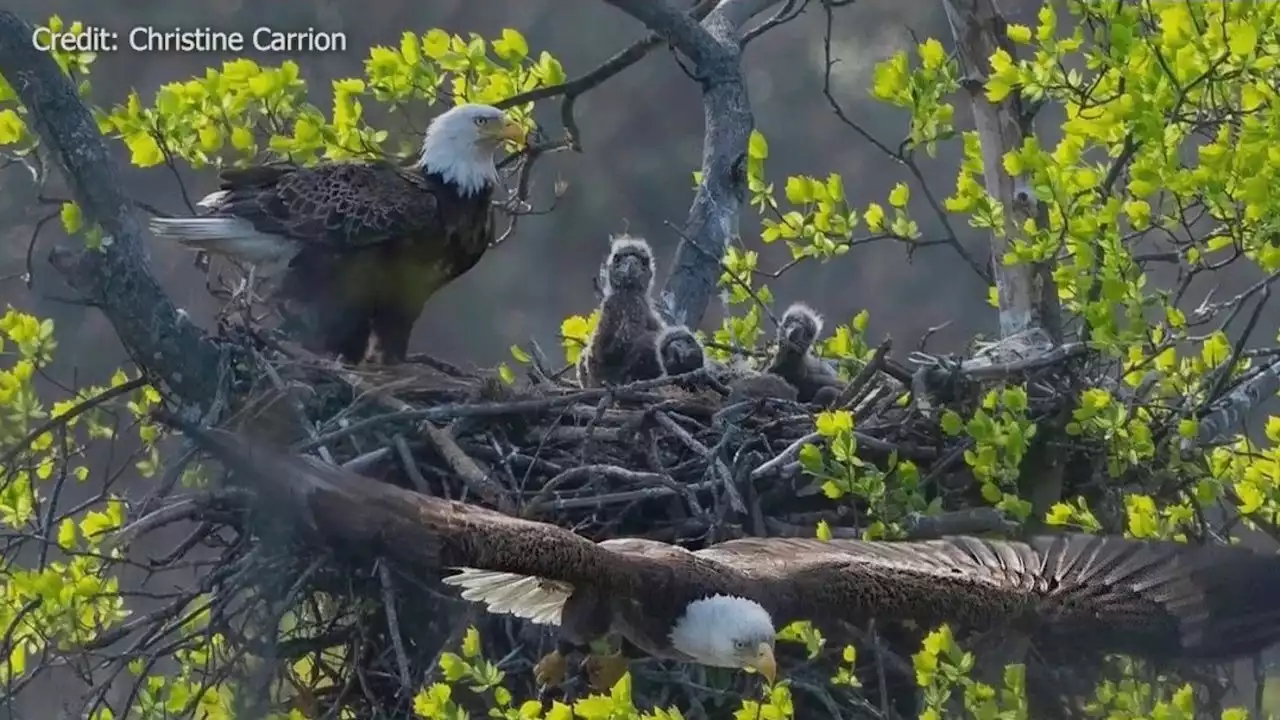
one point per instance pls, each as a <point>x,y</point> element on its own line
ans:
<point>435,44</point>
<point>1059,514</point>
<point>242,138</point>
<point>409,48</point>
<point>824,531</point>
<point>835,187</point>
<point>757,146</point>
<point>506,375</point>
<point>210,137</point>
<point>511,46</point>
<point>952,423</point>
<point>1216,349</point>
<point>831,423</point>
<point>810,457</point>
<point>471,643</point>
<point>900,195</point>
<point>12,129</point>
<point>453,667</point>
<point>558,711</point>
<point>1020,34</point>
<point>72,219</point>
<point>67,534</point>
<point>520,355</point>
<point>1243,40</point>
<point>1188,428</point>
<point>596,707</point>
<point>932,54</point>
<point>550,70</point>
<point>799,190</point>
<point>874,217</point>
<point>144,150</point>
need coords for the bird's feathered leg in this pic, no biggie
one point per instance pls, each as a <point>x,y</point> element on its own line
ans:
<point>604,671</point>
<point>552,669</point>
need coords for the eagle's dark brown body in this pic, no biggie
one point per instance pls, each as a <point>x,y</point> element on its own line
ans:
<point>374,242</point>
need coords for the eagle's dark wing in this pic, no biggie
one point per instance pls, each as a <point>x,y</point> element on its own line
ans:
<point>350,511</point>
<point>1085,592</point>
<point>337,205</point>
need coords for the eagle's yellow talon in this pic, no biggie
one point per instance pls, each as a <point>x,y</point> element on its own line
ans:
<point>551,669</point>
<point>604,671</point>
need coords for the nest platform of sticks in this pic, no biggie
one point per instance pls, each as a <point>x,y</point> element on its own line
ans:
<point>668,459</point>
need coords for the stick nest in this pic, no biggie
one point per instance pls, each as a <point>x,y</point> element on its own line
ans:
<point>668,459</point>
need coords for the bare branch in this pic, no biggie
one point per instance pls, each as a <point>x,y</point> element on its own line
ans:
<point>1227,416</point>
<point>714,47</point>
<point>117,279</point>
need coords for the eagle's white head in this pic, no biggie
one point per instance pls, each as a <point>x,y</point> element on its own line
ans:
<point>727,631</point>
<point>460,144</point>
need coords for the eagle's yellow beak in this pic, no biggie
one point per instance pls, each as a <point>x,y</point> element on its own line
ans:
<point>510,130</point>
<point>764,662</point>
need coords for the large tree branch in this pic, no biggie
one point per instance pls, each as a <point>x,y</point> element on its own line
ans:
<point>118,278</point>
<point>1029,308</point>
<point>1026,293</point>
<point>1227,415</point>
<point>715,48</point>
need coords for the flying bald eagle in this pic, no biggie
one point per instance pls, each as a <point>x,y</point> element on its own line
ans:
<point>1080,596</point>
<point>365,244</point>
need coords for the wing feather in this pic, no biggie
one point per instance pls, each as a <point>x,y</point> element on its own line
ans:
<point>1076,593</point>
<point>338,205</point>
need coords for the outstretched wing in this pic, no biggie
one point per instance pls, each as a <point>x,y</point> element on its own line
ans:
<point>337,205</point>
<point>350,511</point>
<point>1084,593</point>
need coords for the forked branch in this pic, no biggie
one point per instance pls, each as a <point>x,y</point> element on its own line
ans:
<point>714,48</point>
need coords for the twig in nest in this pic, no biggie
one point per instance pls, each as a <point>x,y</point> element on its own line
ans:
<point>627,496</point>
<point>612,471</point>
<point>864,375</point>
<point>477,480</point>
<point>393,628</point>
<point>361,463</point>
<point>410,465</point>
<point>718,469</point>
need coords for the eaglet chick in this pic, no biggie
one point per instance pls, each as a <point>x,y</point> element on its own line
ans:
<point>814,380</point>
<point>679,351</point>
<point>746,383</point>
<point>623,346</point>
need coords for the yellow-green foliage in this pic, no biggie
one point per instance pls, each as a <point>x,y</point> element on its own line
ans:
<point>70,596</point>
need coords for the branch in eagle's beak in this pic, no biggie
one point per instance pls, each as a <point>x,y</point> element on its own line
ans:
<point>764,662</point>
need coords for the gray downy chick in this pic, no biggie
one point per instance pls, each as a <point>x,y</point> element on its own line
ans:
<point>623,346</point>
<point>794,361</point>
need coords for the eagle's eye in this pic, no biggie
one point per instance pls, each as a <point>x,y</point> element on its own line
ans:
<point>483,120</point>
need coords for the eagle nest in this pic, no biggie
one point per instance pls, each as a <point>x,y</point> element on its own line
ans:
<point>668,459</point>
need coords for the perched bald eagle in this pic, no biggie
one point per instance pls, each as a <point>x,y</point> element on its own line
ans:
<point>1078,596</point>
<point>365,244</point>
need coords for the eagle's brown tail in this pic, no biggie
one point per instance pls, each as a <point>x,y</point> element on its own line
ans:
<point>1161,600</point>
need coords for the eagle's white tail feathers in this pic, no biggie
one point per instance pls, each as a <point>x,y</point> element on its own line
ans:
<point>213,199</point>
<point>234,237</point>
<point>531,598</point>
